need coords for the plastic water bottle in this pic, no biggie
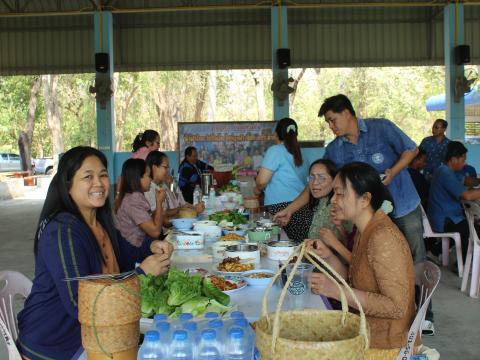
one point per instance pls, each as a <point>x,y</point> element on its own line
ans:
<point>212,199</point>
<point>157,318</point>
<point>163,328</point>
<point>181,346</point>
<point>243,324</point>
<point>208,348</point>
<point>219,327</point>
<point>197,195</point>
<point>150,348</point>
<point>237,347</point>
<point>211,315</point>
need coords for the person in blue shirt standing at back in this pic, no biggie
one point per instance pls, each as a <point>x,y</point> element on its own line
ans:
<point>380,143</point>
<point>435,146</point>
<point>283,175</point>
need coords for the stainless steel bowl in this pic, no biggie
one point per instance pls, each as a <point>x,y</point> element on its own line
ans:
<point>242,247</point>
<point>282,243</point>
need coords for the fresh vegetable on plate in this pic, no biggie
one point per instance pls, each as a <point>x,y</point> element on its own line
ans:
<point>229,188</point>
<point>227,216</point>
<point>177,291</point>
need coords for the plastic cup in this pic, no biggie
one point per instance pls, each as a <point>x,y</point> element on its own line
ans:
<point>299,289</point>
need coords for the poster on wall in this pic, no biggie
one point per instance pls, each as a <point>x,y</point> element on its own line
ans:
<point>241,144</point>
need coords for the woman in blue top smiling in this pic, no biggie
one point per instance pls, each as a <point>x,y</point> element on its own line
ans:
<point>283,176</point>
<point>76,237</point>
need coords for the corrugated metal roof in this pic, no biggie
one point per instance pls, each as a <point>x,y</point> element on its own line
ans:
<point>225,39</point>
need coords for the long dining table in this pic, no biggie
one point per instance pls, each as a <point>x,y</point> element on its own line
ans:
<point>248,299</point>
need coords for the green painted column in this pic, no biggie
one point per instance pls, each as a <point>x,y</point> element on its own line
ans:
<point>103,32</point>
<point>453,35</point>
<point>279,27</point>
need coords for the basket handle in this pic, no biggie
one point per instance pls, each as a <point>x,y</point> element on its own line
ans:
<point>336,279</point>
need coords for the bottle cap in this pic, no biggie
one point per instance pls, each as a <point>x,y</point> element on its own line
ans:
<point>237,315</point>
<point>159,317</point>
<point>180,335</point>
<point>214,324</point>
<point>241,322</point>
<point>163,326</point>
<point>185,317</point>
<point>236,333</point>
<point>152,335</point>
<point>208,334</point>
<point>190,326</point>
<point>211,315</point>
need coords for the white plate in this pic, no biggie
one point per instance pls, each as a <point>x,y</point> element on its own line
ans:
<point>237,279</point>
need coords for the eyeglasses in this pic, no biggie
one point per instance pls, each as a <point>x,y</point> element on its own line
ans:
<point>319,178</point>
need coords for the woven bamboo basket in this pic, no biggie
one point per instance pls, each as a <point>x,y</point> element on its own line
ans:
<point>109,314</point>
<point>312,334</point>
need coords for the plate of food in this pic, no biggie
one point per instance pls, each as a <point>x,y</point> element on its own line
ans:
<point>231,237</point>
<point>233,266</point>
<point>228,283</point>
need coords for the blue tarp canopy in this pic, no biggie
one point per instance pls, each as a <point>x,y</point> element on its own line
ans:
<point>437,102</point>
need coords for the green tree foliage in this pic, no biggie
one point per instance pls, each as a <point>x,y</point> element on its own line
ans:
<point>158,100</point>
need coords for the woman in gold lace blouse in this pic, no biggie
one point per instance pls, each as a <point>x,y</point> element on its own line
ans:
<point>381,269</point>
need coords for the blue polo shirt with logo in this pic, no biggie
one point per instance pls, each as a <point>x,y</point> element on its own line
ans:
<point>380,144</point>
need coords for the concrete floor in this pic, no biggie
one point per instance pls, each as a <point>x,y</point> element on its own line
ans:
<point>457,317</point>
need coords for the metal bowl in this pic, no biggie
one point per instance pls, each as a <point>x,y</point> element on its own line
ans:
<point>241,248</point>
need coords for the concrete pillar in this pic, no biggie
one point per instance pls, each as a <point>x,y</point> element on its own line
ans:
<point>103,32</point>
<point>453,36</point>
<point>279,26</point>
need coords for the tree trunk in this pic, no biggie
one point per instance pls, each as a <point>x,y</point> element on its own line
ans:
<point>166,115</point>
<point>125,102</point>
<point>25,138</point>
<point>296,80</point>
<point>52,112</point>
<point>201,97</point>
<point>260,95</point>
<point>212,95</point>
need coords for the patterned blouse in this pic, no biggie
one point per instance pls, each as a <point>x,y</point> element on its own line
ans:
<point>321,219</point>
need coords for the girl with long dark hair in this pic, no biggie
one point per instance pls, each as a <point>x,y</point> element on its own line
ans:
<point>381,270</point>
<point>134,217</point>
<point>76,237</point>
<point>283,176</point>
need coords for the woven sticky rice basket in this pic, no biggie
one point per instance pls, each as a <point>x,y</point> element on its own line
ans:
<point>109,314</point>
<point>312,334</point>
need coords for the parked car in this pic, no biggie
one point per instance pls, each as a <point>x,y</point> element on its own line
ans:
<point>44,166</point>
<point>10,162</point>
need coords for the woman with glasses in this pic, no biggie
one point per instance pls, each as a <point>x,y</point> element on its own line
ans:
<point>325,227</point>
<point>283,176</point>
<point>135,220</point>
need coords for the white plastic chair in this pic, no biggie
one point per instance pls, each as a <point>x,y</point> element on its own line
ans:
<point>14,283</point>
<point>472,251</point>
<point>427,277</point>
<point>429,233</point>
<point>12,350</point>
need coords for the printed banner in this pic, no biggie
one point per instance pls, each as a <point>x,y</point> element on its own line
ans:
<point>241,144</point>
